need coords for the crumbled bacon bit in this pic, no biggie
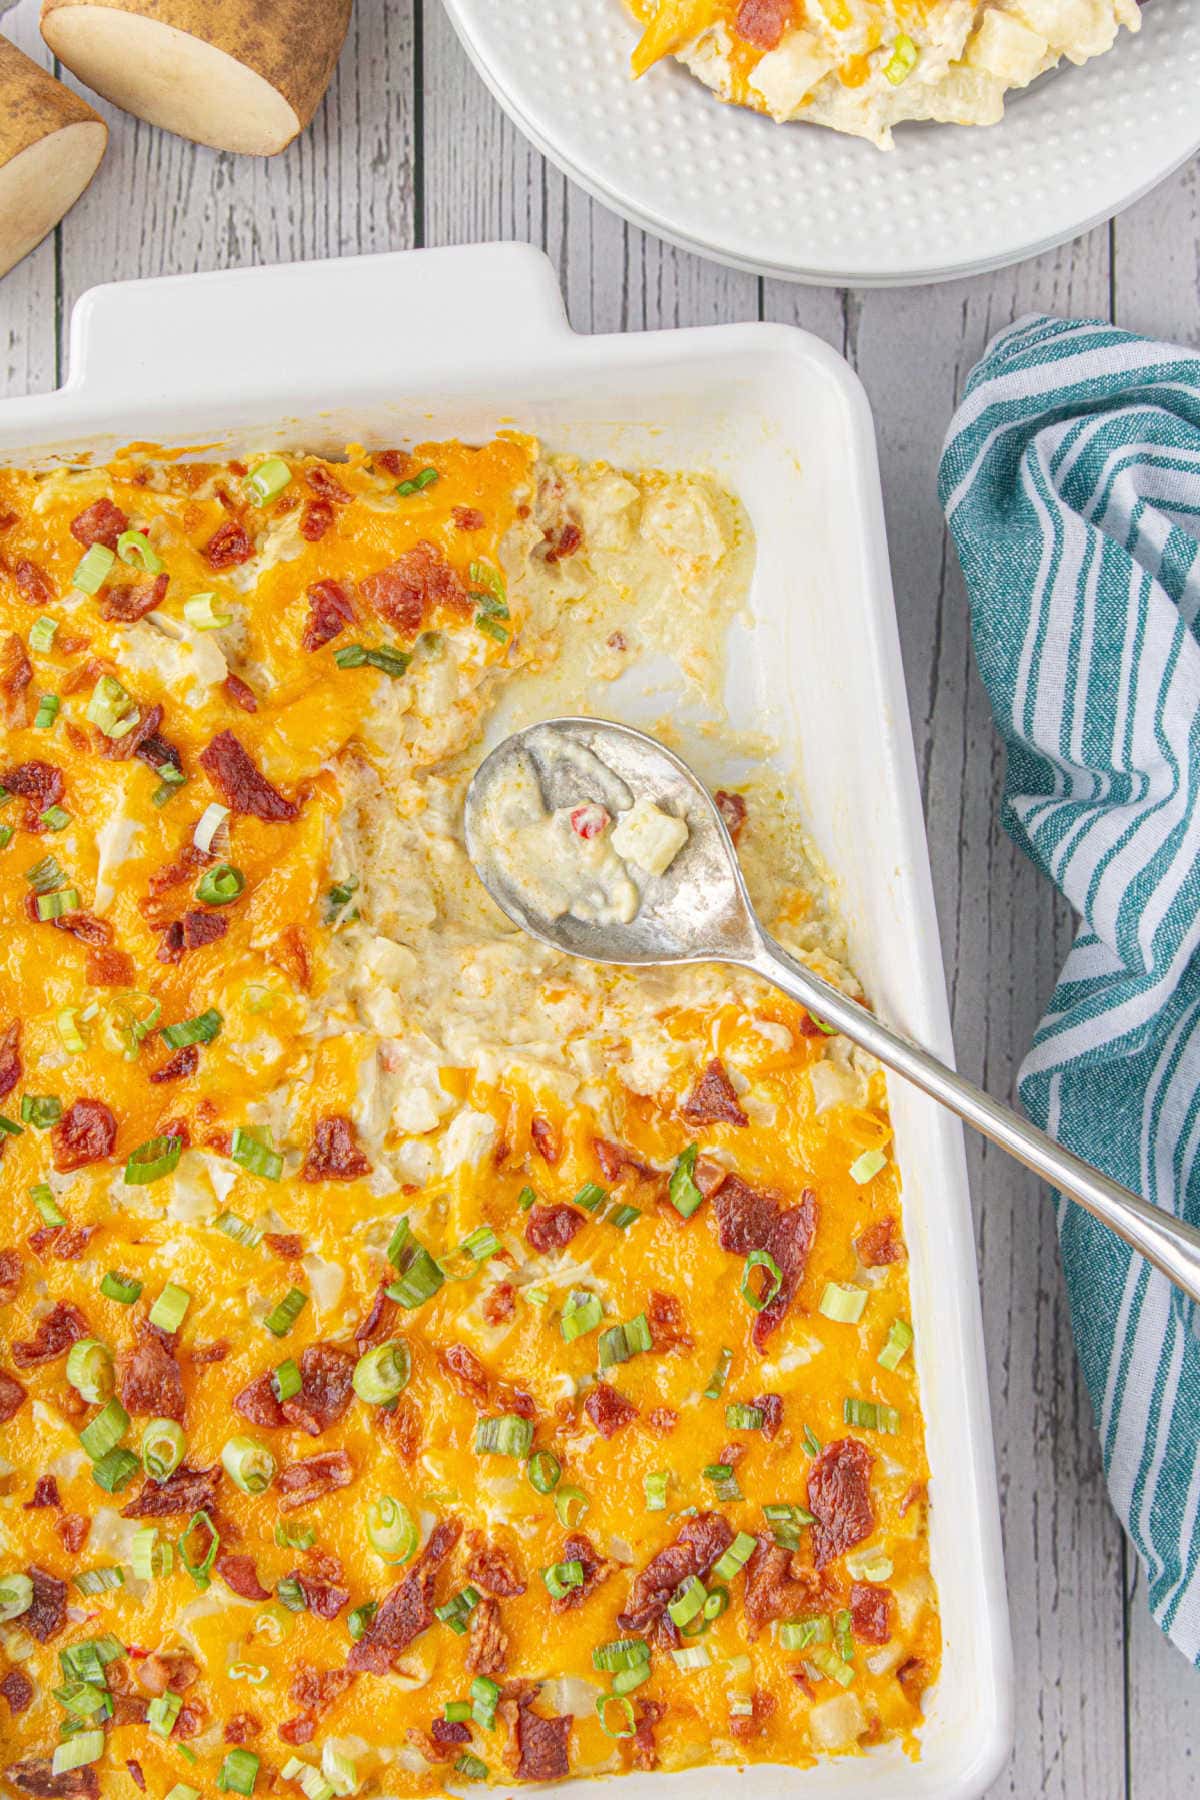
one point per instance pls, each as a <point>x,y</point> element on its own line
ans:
<point>12,1396</point>
<point>393,462</point>
<point>16,673</point>
<point>315,520</point>
<point>194,930</point>
<point>240,1574</point>
<point>86,1133</point>
<point>871,1612</point>
<point>376,1328</point>
<point>241,783</point>
<point>60,1328</point>
<point>73,1529</point>
<point>65,1243</point>
<point>499,1303</point>
<point>542,1745</point>
<point>667,1324</point>
<point>407,1610</point>
<point>45,1494</point>
<point>561,541</point>
<point>545,1139</point>
<point>287,1245</point>
<point>326,486</point>
<point>713,1100</point>
<point>33,584</point>
<point>35,1775</point>
<point>608,1409</point>
<point>106,967</point>
<point>839,1496</point>
<point>188,1490</point>
<point>330,610</point>
<point>334,1154</point>
<point>466,1372</point>
<point>326,1376</point>
<point>642,1746</point>
<point>492,1567</point>
<point>468,518</point>
<point>578,1547</point>
<point>228,546</point>
<point>135,1773</point>
<point>47,1612</point>
<point>487,1647</point>
<point>307,1480</point>
<point>40,784</point>
<point>410,591</point>
<point>762,22</point>
<point>18,1691</point>
<point>241,1728</point>
<point>133,601</point>
<point>100,523</point>
<point>732,809</point>
<point>589,821</point>
<point>771,1407</point>
<point>552,1227</point>
<point>259,1403</point>
<point>879,1244</point>
<point>240,692</point>
<point>700,1543</point>
<point>10,1057</point>
<point>752,1724</point>
<point>149,1381</point>
<point>179,1067</point>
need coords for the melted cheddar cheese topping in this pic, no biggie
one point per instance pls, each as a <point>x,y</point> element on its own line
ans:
<point>394,1315</point>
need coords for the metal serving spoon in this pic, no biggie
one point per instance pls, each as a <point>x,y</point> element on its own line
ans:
<point>699,911</point>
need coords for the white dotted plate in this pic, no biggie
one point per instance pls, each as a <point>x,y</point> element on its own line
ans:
<point>804,203</point>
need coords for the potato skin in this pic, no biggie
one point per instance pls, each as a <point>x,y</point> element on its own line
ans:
<point>33,104</point>
<point>292,45</point>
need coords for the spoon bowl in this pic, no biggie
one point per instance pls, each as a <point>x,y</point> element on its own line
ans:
<point>698,910</point>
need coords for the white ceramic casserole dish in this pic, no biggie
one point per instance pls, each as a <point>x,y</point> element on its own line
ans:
<point>460,342</point>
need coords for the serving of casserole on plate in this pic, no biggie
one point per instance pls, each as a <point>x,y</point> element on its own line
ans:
<point>430,1268</point>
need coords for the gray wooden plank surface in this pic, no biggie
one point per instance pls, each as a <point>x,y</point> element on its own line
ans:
<point>409,148</point>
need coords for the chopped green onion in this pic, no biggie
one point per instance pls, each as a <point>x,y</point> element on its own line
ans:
<point>339,897</point>
<point>843,1634</point>
<point>736,1557</point>
<point>622,1342</point>
<point>690,1657</point>
<point>169,1309</point>
<point>483,575</point>
<point>869,1416</point>
<point>99,1581</point>
<point>294,1537</point>
<point>625,1680</point>
<point>200,1568</point>
<point>86,1746</point>
<point>87,1660</point>
<point>899,1342</point>
<point>470,1767</point>
<point>485,1697</point>
<point>799,1634</point>
<point>716,1603</point>
<point>287,1379</point>
<point>387,659</point>
<point>458,1610</point>
<point>211,823</point>
<point>490,606</point>
<point>350,656</point>
<point>200,1030</point>
<point>248,1464</point>
<point>570,1504</point>
<point>281,1318</point>
<point>689,1600</point>
<point>507,1435</point>
<point>108,1427</point>
<point>152,1160</point>
<point>358,1621</point>
<point>561,1577</point>
<point>761,1259</point>
<point>903,59</point>
<point>239,1230</point>
<point>68,1030</point>
<point>10,1128</point>
<point>111,709</point>
<point>867,1166</point>
<point>47,711</point>
<point>163,1447</point>
<point>93,569</point>
<point>842,1303</point>
<point>684,1195</point>
<point>16,1596</point>
<point>82,1700</point>
<point>41,635</point>
<point>724,1481</point>
<point>624,1216</point>
<point>654,1486</point>
<point>263,484</point>
<point>252,1154</point>
<point>827,1660</point>
<point>719,1376</point>
<point>54,906</point>
<point>812,1442</point>
<point>201,613</point>
<point>543,1471</point>
<point>491,627</point>
<point>162,1713</point>
<point>41,1111</point>
<point>620,1653</point>
<point>170,778</point>
<point>289,1593</point>
<point>590,1196</point>
<point>181,1791</point>
<point>391,1529</point>
<point>239,1771</point>
<point>221,885</point>
<point>419,1277</point>
<point>339,1770</point>
<point>55,818</point>
<point>6,836</point>
<point>624,1706</point>
<point>90,1370</point>
<point>150,1556</point>
<point>743,1418</point>
<point>785,1522</point>
<point>535,1296</point>
<point>45,875</point>
<point>526,1198</point>
<point>415,483</point>
<point>135,547</point>
<point>457,1712</point>
<point>115,1470</point>
<point>581,1313</point>
<point>48,1207</point>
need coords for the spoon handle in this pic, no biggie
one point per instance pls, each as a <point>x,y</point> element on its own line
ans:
<point>1167,1242</point>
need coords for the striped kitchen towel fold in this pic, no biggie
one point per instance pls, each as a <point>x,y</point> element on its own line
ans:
<point>1071,482</point>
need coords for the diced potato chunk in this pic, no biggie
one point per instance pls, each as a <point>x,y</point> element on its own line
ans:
<point>1003,47</point>
<point>649,837</point>
<point>838,1723</point>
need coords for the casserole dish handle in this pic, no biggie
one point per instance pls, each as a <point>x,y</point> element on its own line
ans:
<point>206,335</point>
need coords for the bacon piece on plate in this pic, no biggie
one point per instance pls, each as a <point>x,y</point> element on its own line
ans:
<point>228,546</point>
<point>178,1067</point>
<point>240,692</point>
<point>762,22</point>
<point>240,1573</point>
<point>16,673</point>
<point>408,1610</point>
<point>713,1100</point>
<point>326,1377</point>
<point>307,1480</point>
<point>578,1547</point>
<point>148,1379</point>
<point>100,523</point>
<point>839,1497</point>
<point>18,1691</point>
<point>134,600</point>
<point>879,1244</point>
<point>315,520</point>
<point>47,1612</point>
<point>701,1542</point>
<point>412,589</point>
<point>871,1612</point>
<point>10,1057</point>
<point>542,1744</point>
<point>12,1396</point>
<point>608,1409</point>
<point>40,784</point>
<point>732,809</point>
<point>334,1153</point>
<point>552,1227</point>
<point>33,584</point>
<point>192,932</point>
<point>35,1775</point>
<point>330,610</point>
<point>259,1403</point>
<point>188,1490</point>
<point>85,1134</point>
<point>62,1326</point>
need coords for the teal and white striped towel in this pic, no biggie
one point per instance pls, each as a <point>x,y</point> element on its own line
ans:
<point>1071,483</point>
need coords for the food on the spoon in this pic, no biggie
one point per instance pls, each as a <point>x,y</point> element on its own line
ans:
<point>51,143</point>
<point>235,76</point>
<point>863,66</point>
<point>423,1356</point>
